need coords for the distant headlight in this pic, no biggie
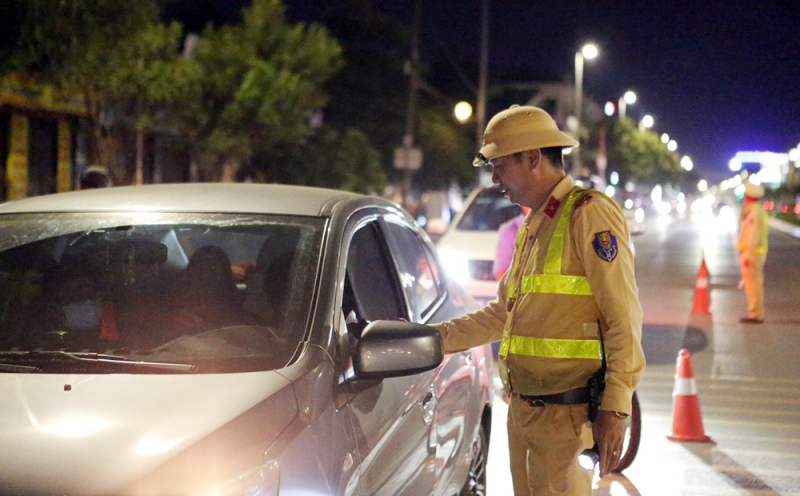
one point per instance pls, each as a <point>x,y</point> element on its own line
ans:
<point>456,264</point>
<point>262,481</point>
<point>638,215</point>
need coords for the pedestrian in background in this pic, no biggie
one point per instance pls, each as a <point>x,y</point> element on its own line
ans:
<point>506,238</point>
<point>753,252</point>
<point>93,177</point>
<point>567,311</point>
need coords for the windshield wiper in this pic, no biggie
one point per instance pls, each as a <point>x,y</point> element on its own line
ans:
<point>68,361</point>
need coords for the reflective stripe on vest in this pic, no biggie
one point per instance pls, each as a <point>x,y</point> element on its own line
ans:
<point>552,281</point>
<point>551,348</point>
<point>764,245</point>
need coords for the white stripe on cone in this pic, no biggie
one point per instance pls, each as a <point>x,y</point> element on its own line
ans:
<point>684,387</point>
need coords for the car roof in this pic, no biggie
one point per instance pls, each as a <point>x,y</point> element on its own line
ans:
<point>194,197</point>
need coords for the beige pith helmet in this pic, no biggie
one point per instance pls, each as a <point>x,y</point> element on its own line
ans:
<point>755,191</point>
<point>518,129</point>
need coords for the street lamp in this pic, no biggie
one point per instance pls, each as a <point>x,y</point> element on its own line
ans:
<point>646,123</point>
<point>629,98</point>
<point>665,138</point>
<point>672,145</point>
<point>686,163</point>
<point>463,111</point>
<point>589,51</point>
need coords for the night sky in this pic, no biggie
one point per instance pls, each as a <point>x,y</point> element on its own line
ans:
<point>718,76</point>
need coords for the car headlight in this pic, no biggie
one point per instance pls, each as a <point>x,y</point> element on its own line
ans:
<point>455,264</point>
<point>261,481</point>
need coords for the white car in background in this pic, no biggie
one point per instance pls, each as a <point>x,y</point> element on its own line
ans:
<point>467,249</point>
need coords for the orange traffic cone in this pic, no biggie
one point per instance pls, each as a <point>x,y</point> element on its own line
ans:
<point>702,300</point>
<point>687,421</point>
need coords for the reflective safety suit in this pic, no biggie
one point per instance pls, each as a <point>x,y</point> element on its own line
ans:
<point>752,255</point>
<point>572,270</point>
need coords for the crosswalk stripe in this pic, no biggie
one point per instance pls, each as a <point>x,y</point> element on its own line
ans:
<point>724,398</point>
<point>722,410</point>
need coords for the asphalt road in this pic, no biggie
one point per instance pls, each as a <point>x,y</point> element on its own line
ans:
<point>747,376</point>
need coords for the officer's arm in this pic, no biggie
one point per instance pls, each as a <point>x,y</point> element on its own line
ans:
<point>477,328</point>
<point>601,238</point>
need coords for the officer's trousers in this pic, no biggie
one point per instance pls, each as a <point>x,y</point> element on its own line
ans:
<point>753,278</point>
<point>544,444</point>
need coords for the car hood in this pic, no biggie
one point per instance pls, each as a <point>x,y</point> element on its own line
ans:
<point>476,245</point>
<point>85,434</point>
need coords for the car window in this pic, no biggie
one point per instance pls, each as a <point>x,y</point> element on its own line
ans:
<point>220,292</point>
<point>487,211</point>
<point>370,277</point>
<point>419,275</point>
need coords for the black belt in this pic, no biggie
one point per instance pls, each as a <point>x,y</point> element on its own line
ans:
<point>572,397</point>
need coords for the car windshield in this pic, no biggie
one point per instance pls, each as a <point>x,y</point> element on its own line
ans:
<point>216,292</point>
<point>488,210</point>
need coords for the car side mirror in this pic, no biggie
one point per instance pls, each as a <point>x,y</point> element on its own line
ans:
<point>392,348</point>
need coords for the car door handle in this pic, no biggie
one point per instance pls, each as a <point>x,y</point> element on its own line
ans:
<point>467,356</point>
<point>428,405</point>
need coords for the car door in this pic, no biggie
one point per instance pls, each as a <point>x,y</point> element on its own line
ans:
<point>455,383</point>
<point>392,418</point>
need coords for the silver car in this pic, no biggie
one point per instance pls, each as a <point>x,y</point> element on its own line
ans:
<point>231,339</point>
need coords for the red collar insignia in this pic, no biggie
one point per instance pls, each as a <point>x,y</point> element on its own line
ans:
<point>552,207</point>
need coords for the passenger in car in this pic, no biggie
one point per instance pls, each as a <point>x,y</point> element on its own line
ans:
<point>206,294</point>
<point>72,308</point>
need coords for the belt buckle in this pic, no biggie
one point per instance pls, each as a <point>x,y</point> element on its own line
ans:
<point>536,402</point>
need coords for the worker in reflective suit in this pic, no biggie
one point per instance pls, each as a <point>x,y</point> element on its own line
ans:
<point>566,312</point>
<point>753,252</point>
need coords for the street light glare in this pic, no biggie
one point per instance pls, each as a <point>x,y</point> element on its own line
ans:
<point>630,97</point>
<point>610,108</point>
<point>672,145</point>
<point>702,185</point>
<point>590,51</point>
<point>665,138</point>
<point>648,121</point>
<point>686,163</point>
<point>463,111</point>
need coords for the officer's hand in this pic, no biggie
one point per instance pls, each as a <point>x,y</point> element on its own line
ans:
<point>609,433</point>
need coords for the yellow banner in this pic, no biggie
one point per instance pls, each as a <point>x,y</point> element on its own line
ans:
<point>16,90</point>
<point>17,164</point>
<point>64,174</point>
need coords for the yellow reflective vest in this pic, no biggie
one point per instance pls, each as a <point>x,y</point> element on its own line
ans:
<point>572,269</point>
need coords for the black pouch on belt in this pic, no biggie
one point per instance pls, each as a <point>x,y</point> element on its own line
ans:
<point>597,382</point>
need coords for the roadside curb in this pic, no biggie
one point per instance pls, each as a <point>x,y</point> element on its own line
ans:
<point>784,226</point>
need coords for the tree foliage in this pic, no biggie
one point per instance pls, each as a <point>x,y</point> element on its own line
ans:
<point>260,82</point>
<point>247,89</point>
<point>639,156</point>
<point>88,48</point>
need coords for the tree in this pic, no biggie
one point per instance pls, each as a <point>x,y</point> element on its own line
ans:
<point>331,158</point>
<point>639,156</point>
<point>82,47</point>
<point>260,82</point>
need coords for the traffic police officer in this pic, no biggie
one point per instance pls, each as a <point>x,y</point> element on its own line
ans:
<point>753,252</point>
<point>570,294</point>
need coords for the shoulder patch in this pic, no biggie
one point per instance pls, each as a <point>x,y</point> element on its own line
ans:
<point>605,245</point>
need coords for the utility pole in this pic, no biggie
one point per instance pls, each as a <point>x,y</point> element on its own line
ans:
<point>407,157</point>
<point>480,111</point>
